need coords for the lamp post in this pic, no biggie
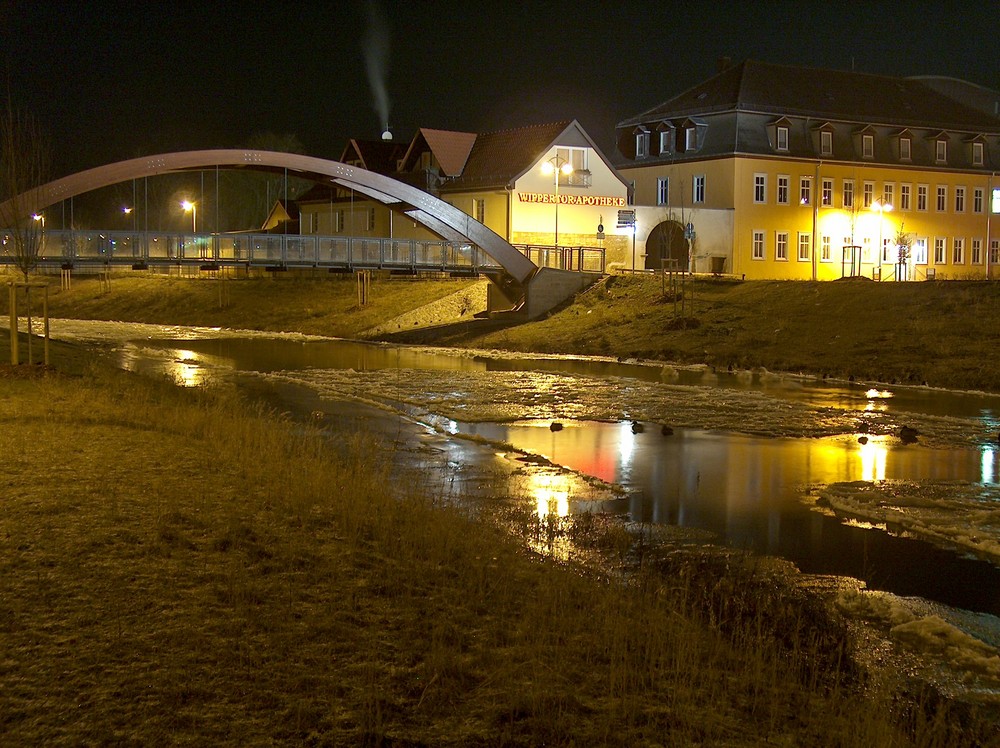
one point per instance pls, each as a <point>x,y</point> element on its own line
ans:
<point>883,207</point>
<point>555,166</point>
<point>191,207</point>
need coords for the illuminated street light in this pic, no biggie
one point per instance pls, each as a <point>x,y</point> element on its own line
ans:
<point>554,166</point>
<point>39,217</point>
<point>882,207</point>
<point>191,207</point>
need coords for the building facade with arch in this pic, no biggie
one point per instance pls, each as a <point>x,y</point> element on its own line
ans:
<point>781,172</point>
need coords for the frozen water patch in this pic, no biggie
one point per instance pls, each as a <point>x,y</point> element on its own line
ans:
<point>953,515</point>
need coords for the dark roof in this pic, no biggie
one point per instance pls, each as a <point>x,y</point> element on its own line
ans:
<point>755,86</point>
<point>375,155</point>
<point>498,158</point>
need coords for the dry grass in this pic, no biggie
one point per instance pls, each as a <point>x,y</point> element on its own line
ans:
<point>180,567</point>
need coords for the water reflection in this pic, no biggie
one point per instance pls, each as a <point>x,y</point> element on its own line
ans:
<point>551,493</point>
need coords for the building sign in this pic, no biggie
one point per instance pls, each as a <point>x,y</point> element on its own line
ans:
<point>595,200</point>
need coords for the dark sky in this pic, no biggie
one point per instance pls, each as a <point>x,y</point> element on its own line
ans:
<point>114,80</point>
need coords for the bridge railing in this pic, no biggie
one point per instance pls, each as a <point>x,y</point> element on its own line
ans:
<point>580,259</point>
<point>284,250</point>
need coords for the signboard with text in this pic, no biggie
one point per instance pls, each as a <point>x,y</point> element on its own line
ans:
<point>589,200</point>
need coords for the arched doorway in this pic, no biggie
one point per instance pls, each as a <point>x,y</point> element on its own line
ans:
<point>667,242</point>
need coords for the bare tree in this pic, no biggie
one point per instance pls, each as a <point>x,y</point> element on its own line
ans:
<point>24,166</point>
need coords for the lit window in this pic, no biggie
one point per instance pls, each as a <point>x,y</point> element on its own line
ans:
<point>662,190</point>
<point>758,245</point>
<point>805,190</point>
<point>868,146</point>
<point>919,252</point>
<point>760,188</point>
<point>782,139</point>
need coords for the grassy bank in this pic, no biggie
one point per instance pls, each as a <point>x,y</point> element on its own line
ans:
<point>180,567</point>
<point>943,334</point>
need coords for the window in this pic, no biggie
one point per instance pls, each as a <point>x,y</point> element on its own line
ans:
<point>977,200</point>
<point>479,210</point>
<point>942,198</point>
<point>758,245</point>
<point>698,190</point>
<point>867,146</point>
<point>995,201</point>
<point>866,249</point>
<point>578,158</point>
<point>782,189</point>
<point>641,145</point>
<point>939,258</point>
<point>826,143</point>
<point>338,221</point>
<point>662,190</point>
<point>826,197</point>
<point>781,245</point>
<point>782,139</point>
<point>630,198</point>
<point>977,252</point>
<point>904,196</point>
<point>904,149</point>
<point>370,219</point>
<point>960,199</point>
<point>888,190</point>
<point>308,223</point>
<point>919,251</point>
<point>977,154</point>
<point>805,242</point>
<point>941,151</point>
<point>848,193</point>
<point>825,251</point>
<point>690,139</point>
<point>887,247</point>
<point>922,196</point>
<point>869,195</point>
<point>760,188</point>
<point>664,141</point>
<point>994,251</point>
<point>958,251</point>
<point>805,190</point>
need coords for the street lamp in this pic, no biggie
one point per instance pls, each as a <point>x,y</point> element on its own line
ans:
<point>882,207</point>
<point>191,207</point>
<point>554,166</point>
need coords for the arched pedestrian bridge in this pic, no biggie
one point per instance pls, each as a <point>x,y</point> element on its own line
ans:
<point>466,245</point>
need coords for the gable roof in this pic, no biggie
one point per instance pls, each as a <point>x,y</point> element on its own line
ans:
<point>755,86</point>
<point>375,155</point>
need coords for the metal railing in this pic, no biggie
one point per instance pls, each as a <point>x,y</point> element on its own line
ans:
<point>580,259</point>
<point>268,250</point>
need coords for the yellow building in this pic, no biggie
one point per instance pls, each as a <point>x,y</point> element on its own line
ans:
<point>538,187</point>
<point>770,171</point>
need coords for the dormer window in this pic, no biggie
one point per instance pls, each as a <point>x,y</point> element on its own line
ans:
<point>642,144</point>
<point>690,138</point>
<point>826,143</point>
<point>977,154</point>
<point>781,138</point>
<point>664,141</point>
<point>940,151</point>
<point>904,149</point>
<point>867,146</point>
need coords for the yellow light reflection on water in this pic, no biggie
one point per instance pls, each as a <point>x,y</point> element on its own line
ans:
<point>873,457</point>
<point>551,492</point>
<point>187,370</point>
<point>989,466</point>
<point>626,442</point>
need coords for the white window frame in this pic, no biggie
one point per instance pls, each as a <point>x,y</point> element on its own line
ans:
<point>825,143</point>
<point>664,141</point>
<point>781,138</point>
<point>958,250</point>
<point>781,246</point>
<point>904,149</point>
<point>690,139</point>
<point>868,195</point>
<point>889,194</point>
<point>804,253</point>
<point>868,146</point>
<point>663,190</point>
<point>923,193</point>
<point>977,154</point>
<point>825,248</point>
<point>959,199</point>
<point>805,190</point>
<point>847,195</point>
<point>994,251</point>
<point>826,192</point>
<point>783,189</point>
<point>976,251</point>
<point>940,151</point>
<point>905,195</point>
<point>941,204</point>
<point>940,251</point>
<point>479,209</point>
<point>641,144</point>
<point>760,188</point>
<point>698,189</point>
<point>978,198</point>
<point>758,246</point>
<point>919,253</point>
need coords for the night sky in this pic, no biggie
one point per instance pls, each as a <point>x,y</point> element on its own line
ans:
<point>118,80</point>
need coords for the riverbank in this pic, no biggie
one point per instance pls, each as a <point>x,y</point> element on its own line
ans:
<point>941,334</point>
